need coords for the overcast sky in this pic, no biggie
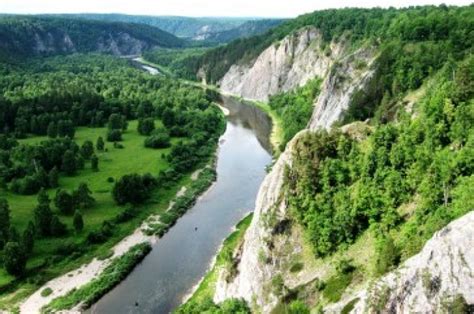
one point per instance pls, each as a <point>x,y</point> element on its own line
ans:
<point>260,8</point>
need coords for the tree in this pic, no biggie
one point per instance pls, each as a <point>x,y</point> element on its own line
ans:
<point>14,259</point>
<point>52,130</point>
<point>95,163</point>
<point>57,227</point>
<point>64,202</point>
<point>114,135</point>
<point>87,149</point>
<point>78,222</point>
<point>146,126</point>
<point>133,188</point>
<point>100,145</point>
<point>53,177</point>
<point>116,122</point>
<point>82,197</point>
<point>69,163</point>
<point>4,221</point>
<point>28,238</point>
<point>43,215</point>
<point>13,235</point>
<point>158,139</point>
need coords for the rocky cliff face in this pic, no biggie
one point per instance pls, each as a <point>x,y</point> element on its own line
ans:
<point>269,243</point>
<point>118,44</point>
<point>283,66</point>
<point>440,279</point>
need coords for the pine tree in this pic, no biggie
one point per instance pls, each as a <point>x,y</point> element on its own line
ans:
<point>78,222</point>
<point>64,202</point>
<point>69,163</point>
<point>53,178</point>
<point>52,130</point>
<point>87,149</point>
<point>28,239</point>
<point>95,163</point>
<point>43,214</point>
<point>82,197</point>
<point>14,259</point>
<point>100,145</point>
<point>4,221</point>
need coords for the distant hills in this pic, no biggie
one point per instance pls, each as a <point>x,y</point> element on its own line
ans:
<point>213,29</point>
<point>37,36</point>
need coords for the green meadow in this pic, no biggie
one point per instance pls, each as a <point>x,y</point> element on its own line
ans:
<point>113,163</point>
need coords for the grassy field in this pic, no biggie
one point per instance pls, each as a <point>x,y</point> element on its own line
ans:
<point>134,157</point>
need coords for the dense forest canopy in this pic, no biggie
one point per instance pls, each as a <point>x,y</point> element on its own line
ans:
<point>45,105</point>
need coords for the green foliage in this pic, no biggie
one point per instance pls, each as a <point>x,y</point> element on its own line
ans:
<point>46,292</point>
<point>229,306</point>
<point>4,221</point>
<point>159,138</point>
<point>449,26</point>
<point>19,33</point>
<point>14,258</point>
<point>134,189</point>
<point>28,239</point>
<point>78,221</point>
<point>339,187</point>
<point>119,268</point>
<point>387,255</point>
<point>64,202</point>
<point>146,126</point>
<point>295,108</point>
<point>298,307</point>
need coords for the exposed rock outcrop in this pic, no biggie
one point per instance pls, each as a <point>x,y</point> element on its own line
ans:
<point>429,282</point>
<point>283,66</point>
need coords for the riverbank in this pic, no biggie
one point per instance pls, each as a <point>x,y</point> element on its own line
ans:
<point>77,278</point>
<point>276,137</point>
<point>223,263</point>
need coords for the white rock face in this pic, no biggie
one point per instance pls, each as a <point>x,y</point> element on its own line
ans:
<point>443,270</point>
<point>253,274</point>
<point>281,67</point>
<point>344,79</point>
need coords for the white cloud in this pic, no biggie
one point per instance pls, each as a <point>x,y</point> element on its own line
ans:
<point>261,8</point>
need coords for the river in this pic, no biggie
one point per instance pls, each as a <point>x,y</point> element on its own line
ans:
<point>182,257</point>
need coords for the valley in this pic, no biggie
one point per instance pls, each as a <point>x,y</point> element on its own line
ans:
<point>346,133</point>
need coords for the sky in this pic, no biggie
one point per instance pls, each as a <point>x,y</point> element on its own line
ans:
<point>241,8</point>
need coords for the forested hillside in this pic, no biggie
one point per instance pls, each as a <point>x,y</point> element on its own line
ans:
<point>23,36</point>
<point>452,27</point>
<point>198,28</point>
<point>359,198</point>
<point>89,147</point>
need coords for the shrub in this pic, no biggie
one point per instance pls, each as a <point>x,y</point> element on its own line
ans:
<point>46,292</point>
<point>114,135</point>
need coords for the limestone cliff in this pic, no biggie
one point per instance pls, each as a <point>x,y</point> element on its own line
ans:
<point>433,281</point>
<point>283,66</point>
<point>267,246</point>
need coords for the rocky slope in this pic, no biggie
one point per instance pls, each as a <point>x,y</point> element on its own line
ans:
<point>282,66</point>
<point>268,247</point>
<point>436,280</point>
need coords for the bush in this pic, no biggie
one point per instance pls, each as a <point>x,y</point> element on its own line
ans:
<point>114,135</point>
<point>158,140</point>
<point>133,188</point>
<point>46,292</point>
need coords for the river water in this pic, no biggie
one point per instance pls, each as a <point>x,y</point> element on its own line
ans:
<point>181,257</point>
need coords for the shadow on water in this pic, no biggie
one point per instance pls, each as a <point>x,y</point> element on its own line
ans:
<point>180,259</point>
